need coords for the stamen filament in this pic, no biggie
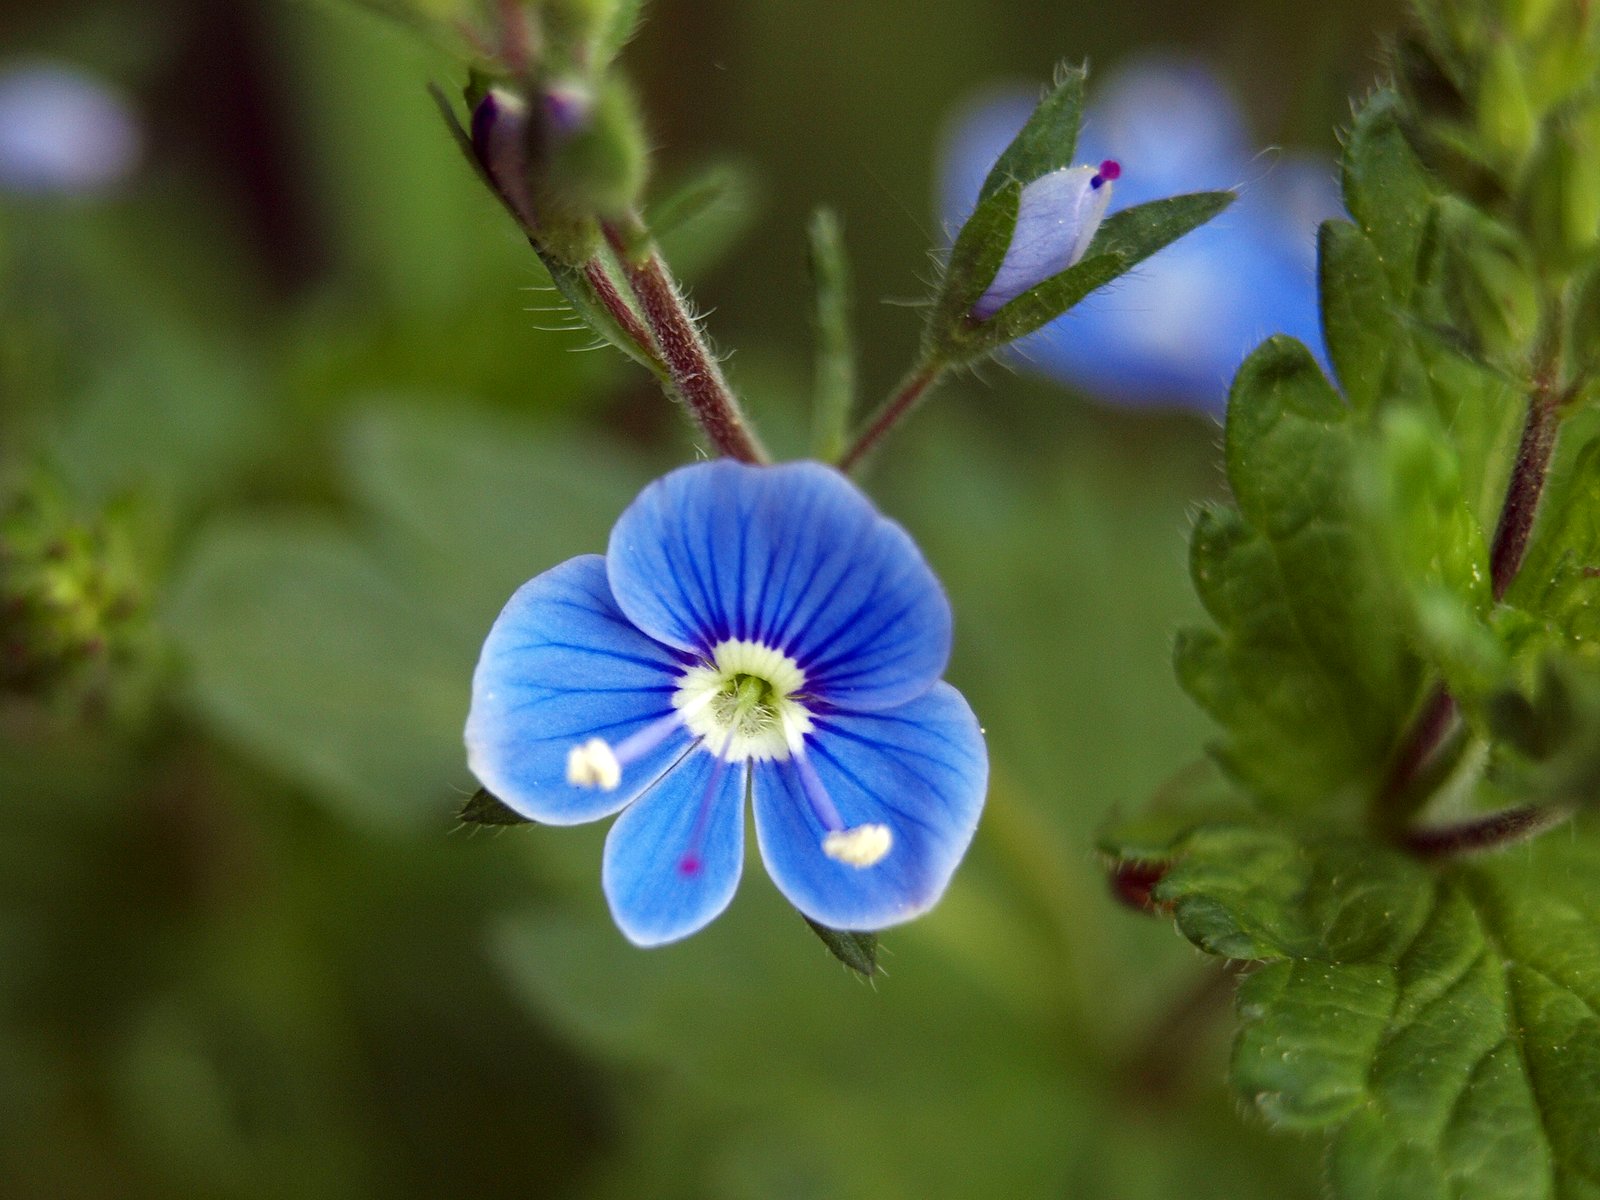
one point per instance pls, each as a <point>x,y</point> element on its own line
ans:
<point>598,764</point>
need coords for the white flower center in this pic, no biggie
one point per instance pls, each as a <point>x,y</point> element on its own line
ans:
<point>743,703</point>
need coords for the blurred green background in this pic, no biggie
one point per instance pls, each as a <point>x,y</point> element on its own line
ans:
<point>245,951</point>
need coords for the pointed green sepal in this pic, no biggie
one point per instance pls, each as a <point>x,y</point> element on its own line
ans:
<point>483,807</point>
<point>858,951</point>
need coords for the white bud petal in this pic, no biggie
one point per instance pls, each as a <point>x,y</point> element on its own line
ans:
<point>1057,217</point>
<point>862,846</point>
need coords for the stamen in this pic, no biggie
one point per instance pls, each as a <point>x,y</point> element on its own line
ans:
<point>1108,171</point>
<point>594,764</point>
<point>862,846</point>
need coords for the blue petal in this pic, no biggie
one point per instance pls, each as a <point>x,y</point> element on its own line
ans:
<point>560,666</point>
<point>794,557</point>
<point>921,769</point>
<point>673,858</point>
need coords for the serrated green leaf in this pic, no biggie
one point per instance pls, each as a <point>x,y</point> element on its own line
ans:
<point>1442,1025</point>
<point>483,807</point>
<point>1048,140</point>
<point>858,951</point>
<point>1124,240</point>
<point>1308,671</point>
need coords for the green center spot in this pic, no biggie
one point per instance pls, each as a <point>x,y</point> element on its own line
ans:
<point>747,704</point>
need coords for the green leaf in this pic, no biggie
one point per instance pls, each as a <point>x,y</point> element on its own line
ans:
<point>1048,140</point>
<point>1358,311</point>
<point>835,358</point>
<point>858,951</point>
<point>704,218</point>
<point>1124,240</point>
<point>1387,189</point>
<point>1307,671</point>
<point>303,650</point>
<point>1435,550</point>
<point>1443,1026</point>
<point>483,807</point>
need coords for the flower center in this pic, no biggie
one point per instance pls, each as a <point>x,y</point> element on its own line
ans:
<point>743,703</point>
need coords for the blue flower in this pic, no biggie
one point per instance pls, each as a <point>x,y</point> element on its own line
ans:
<point>756,631</point>
<point>1175,329</point>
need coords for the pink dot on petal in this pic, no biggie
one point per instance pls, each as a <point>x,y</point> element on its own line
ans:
<point>689,864</point>
<point>1110,169</point>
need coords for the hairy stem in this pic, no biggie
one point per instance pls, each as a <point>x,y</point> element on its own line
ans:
<point>605,292</point>
<point>1485,833</point>
<point>1527,481</point>
<point>905,398</point>
<point>691,367</point>
<point>1400,798</point>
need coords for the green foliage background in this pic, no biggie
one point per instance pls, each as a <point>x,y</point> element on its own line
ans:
<point>244,952</point>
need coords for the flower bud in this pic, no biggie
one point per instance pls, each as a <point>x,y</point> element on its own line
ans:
<point>70,607</point>
<point>500,136</point>
<point>1057,216</point>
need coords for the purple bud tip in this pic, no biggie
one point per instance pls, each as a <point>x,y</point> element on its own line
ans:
<point>1108,171</point>
<point>567,108</point>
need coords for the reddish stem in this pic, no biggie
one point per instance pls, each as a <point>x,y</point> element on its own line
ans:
<point>695,374</point>
<point>894,409</point>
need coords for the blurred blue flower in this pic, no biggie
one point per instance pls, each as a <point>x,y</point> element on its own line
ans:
<point>62,131</point>
<point>757,630</point>
<point>1174,330</point>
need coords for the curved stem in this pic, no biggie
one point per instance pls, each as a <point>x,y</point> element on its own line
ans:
<point>1486,833</point>
<point>906,397</point>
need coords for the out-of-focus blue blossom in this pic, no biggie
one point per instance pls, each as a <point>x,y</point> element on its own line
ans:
<point>1174,330</point>
<point>62,132</point>
<point>1057,216</point>
<point>757,630</point>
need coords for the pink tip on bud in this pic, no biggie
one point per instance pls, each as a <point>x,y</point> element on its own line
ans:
<point>1107,171</point>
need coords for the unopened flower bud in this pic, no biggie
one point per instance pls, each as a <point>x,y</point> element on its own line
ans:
<point>1057,216</point>
<point>500,140</point>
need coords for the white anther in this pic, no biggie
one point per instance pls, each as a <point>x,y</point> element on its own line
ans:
<point>594,764</point>
<point>862,846</point>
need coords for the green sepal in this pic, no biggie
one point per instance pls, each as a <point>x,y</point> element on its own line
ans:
<point>1048,140</point>
<point>483,807</point>
<point>1124,240</point>
<point>858,951</point>
<point>975,259</point>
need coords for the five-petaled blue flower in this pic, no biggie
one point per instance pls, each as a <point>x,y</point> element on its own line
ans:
<point>750,630</point>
